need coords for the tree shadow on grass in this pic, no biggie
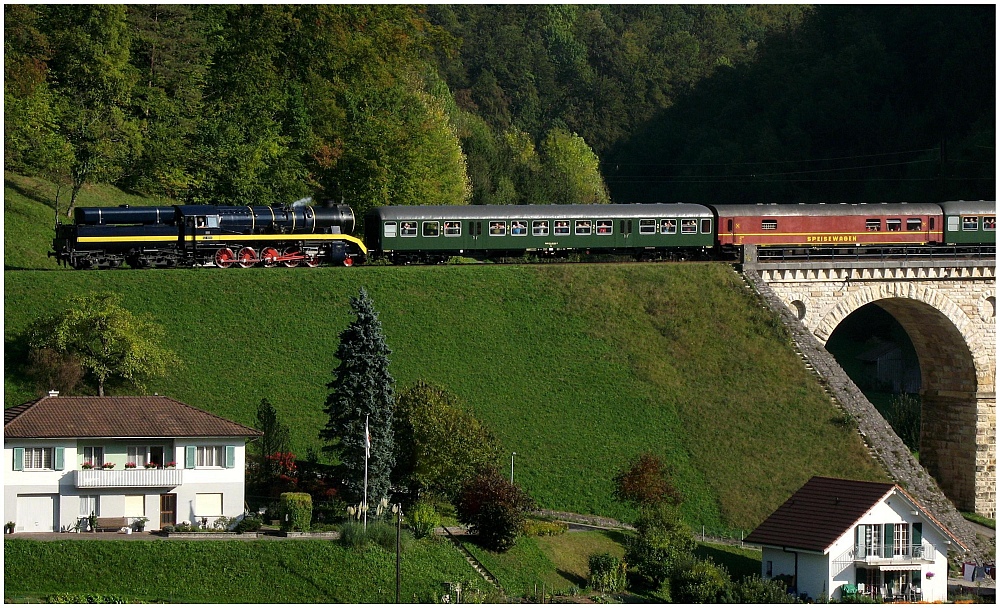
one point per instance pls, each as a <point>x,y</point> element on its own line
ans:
<point>34,194</point>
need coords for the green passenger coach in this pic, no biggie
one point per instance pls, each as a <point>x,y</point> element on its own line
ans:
<point>970,222</point>
<point>435,233</point>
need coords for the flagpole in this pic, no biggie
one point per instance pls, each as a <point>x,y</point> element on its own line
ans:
<point>367,447</point>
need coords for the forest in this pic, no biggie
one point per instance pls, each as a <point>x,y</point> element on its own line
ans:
<point>503,104</point>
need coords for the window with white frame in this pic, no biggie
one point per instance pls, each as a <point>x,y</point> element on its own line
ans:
<point>88,505</point>
<point>211,456</point>
<point>38,459</point>
<point>141,455</point>
<point>901,539</point>
<point>93,456</point>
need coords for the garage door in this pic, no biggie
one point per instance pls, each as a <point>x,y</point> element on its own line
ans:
<point>36,513</point>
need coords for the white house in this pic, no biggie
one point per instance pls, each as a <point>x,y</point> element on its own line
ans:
<point>836,536</point>
<point>120,457</point>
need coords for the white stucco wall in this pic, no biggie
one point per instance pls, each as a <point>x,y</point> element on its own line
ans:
<point>819,576</point>
<point>61,484</point>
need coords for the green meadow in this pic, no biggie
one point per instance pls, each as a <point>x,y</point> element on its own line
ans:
<point>576,367</point>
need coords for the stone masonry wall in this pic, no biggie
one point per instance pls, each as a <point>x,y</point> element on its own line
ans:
<point>885,445</point>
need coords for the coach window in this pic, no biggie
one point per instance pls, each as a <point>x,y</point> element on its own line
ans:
<point>990,223</point>
<point>453,228</point>
<point>873,225</point>
<point>519,228</point>
<point>432,228</point>
<point>583,227</point>
<point>389,230</point>
<point>647,226</point>
<point>914,224</point>
<point>540,228</point>
<point>562,227</point>
<point>668,226</point>
<point>689,226</point>
<point>706,226</point>
<point>498,228</point>
<point>893,225</point>
<point>970,222</point>
<point>408,229</point>
<point>769,224</point>
<point>605,227</point>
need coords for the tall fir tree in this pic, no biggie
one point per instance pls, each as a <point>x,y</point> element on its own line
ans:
<point>362,387</point>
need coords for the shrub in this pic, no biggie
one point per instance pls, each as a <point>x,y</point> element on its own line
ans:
<point>755,590</point>
<point>296,508</point>
<point>86,598</point>
<point>423,518</point>
<point>540,527</point>
<point>607,573</point>
<point>250,523</point>
<point>700,581</point>
<point>494,509</point>
<point>646,482</point>
<point>661,541</point>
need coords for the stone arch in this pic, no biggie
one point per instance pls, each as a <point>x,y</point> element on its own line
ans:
<point>957,380</point>
<point>799,305</point>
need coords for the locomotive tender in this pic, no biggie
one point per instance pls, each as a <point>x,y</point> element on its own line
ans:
<point>201,235</point>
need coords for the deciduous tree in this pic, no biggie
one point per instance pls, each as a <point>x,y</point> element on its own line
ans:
<point>112,344</point>
<point>646,482</point>
<point>439,445</point>
<point>362,387</point>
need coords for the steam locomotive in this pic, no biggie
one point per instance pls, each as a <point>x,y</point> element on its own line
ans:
<point>201,235</point>
<point>206,235</point>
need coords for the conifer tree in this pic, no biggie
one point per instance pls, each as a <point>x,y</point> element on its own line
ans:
<point>362,386</point>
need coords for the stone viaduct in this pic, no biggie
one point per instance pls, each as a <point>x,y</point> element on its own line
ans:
<point>948,309</point>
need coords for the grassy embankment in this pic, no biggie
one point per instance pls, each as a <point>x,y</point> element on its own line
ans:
<point>229,571</point>
<point>577,368</point>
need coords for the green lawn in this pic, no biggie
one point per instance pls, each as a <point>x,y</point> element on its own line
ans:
<point>230,571</point>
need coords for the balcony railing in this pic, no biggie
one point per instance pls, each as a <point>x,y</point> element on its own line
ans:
<point>878,555</point>
<point>129,478</point>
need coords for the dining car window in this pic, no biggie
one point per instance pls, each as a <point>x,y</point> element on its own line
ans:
<point>873,225</point>
<point>914,224</point>
<point>540,228</point>
<point>668,226</point>
<point>647,226</point>
<point>769,224</point>
<point>893,225</point>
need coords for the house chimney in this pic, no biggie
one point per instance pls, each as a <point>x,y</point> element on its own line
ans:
<point>53,393</point>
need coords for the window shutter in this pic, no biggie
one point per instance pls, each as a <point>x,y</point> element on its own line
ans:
<point>918,533</point>
<point>887,540</point>
<point>189,454</point>
<point>59,458</point>
<point>18,459</point>
<point>230,456</point>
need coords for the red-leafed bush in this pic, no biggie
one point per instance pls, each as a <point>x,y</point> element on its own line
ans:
<point>494,509</point>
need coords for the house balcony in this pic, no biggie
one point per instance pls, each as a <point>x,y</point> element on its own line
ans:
<point>129,478</point>
<point>875,556</point>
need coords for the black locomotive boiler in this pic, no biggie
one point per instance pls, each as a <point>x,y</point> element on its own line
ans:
<point>207,235</point>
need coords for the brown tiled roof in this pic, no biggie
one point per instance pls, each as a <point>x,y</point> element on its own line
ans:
<point>116,417</point>
<point>819,513</point>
